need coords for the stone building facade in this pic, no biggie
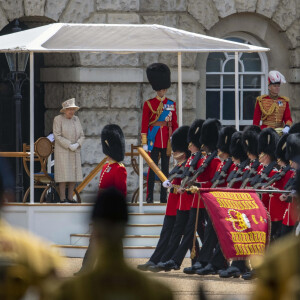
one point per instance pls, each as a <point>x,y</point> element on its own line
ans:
<point>111,88</point>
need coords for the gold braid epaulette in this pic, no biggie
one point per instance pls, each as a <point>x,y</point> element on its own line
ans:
<point>287,99</point>
<point>157,113</point>
<point>265,113</point>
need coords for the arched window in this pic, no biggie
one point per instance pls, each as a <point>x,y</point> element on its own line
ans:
<point>220,100</point>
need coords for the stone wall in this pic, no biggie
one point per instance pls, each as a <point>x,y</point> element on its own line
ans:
<point>113,87</point>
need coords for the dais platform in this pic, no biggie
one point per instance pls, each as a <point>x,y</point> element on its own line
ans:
<point>67,226</point>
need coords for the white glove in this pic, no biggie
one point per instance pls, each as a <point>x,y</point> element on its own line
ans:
<point>297,231</point>
<point>145,147</point>
<point>286,129</point>
<point>73,147</point>
<point>167,184</point>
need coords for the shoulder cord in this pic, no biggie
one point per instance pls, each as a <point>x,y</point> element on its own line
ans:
<point>157,113</point>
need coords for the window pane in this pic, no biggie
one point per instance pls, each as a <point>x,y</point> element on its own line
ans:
<point>213,81</point>
<point>229,67</point>
<point>252,81</point>
<point>214,62</point>
<point>251,62</point>
<point>228,81</point>
<point>248,105</point>
<point>228,106</point>
<point>213,105</point>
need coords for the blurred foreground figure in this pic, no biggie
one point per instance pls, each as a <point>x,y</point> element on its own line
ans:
<point>279,274</point>
<point>25,261</point>
<point>111,278</point>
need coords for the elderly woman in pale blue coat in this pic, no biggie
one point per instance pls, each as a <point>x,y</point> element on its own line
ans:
<point>69,137</point>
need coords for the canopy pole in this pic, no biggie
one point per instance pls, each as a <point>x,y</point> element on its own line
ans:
<point>179,90</point>
<point>31,128</point>
<point>236,79</point>
<point>141,209</point>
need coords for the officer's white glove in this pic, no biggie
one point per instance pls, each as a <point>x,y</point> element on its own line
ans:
<point>73,147</point>
<point>297,231</point>
<point>286,130</point>
<point>167,184</point>
<point>145,147</point>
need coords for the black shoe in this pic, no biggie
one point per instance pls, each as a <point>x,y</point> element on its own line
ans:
<point>230,272</point>
<point>249,275</point>
<point>63,201</point>
<point>71,201</point>
<point>149,199</point>
<point>163,200</point>
<point>146,266</point>
<point>208,270</point>
<point>157,268</point>
<point>192,270</point>
<point>171,265</point>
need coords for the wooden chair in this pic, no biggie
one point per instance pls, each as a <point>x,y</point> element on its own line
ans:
<point>43,148</point>
<point>135,165</point>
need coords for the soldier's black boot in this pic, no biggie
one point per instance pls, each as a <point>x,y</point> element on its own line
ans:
<point>149,199</point>
<point>145,267</point>
<point>192,270</point>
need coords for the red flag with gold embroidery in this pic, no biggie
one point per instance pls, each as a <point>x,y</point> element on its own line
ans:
<point>240,220</point>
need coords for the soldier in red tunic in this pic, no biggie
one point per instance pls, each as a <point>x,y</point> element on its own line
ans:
<point>272,109</point>
<point>159,121</point>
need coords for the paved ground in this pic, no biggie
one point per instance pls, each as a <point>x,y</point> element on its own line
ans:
<point>184,286</point>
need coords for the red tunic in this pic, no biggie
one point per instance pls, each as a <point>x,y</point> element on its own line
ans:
<point>162,136</point>
<point>279,110</point>
<point>234,168</point>
<point>276,206</point>
<point>205,178</point>
<point>114,174</point>
<point>185,199</point>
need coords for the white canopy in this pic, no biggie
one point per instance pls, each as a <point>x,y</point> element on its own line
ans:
<point>63,37</point>
<point>116,38</point>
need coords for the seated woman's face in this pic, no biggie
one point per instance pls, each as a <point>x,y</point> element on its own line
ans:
<point>69,112</point>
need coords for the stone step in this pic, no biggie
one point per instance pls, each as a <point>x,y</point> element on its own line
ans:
<point>143,229</point>
<point>129,240</point>
<point>146,218</point>
<point>147,207</point>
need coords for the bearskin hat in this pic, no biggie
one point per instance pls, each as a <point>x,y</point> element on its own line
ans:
<point>250,139</point>
<point>293,147</point>
<point>179,140</point>
<point>225,138</point>
<point>295,128</point>
<point>267,141</point>
<point>110,206</point>
<point>195,132</point>
<point>281,149</point>
<point>159,76</point>
<point>113,142</point>
<point>210,133</point>
<point>236,146</point>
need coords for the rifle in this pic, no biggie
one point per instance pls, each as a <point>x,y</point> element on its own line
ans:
<point>219,177</point>
<point>177,170</point>
<point>233,176</point>
<point>259,178</point>
<point>276,176</point>
<point>200,170</point>
<point>247,175</point>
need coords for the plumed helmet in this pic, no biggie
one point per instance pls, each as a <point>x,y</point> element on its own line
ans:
<point>293,147</point>
<point>281,149</point>
<point>225,138</point>
<point>275,77</point>
<point>195,132</point>
<point>159,76</point>
<point>236,146</point>
<point>250,139</point>
<point>113,142</point>
<point>267,141</point>
<point>295,128</point>
<point>179,140</point>
<point>110,206</point>
<point>210,133</point>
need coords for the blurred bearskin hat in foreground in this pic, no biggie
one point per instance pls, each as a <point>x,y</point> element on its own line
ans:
<point>250,139</point>
<point>267,141</point>
<point>210,133</point>
<point>281,149</point>
<point>195,132</point>
<point>110,206</point>
<point>159,76</point>
<point>225,138</point>
<point>295,128</point>
<point>179,141</point>
<point>113,142</point>
<point>236,146</point>
<point>293,147</point>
